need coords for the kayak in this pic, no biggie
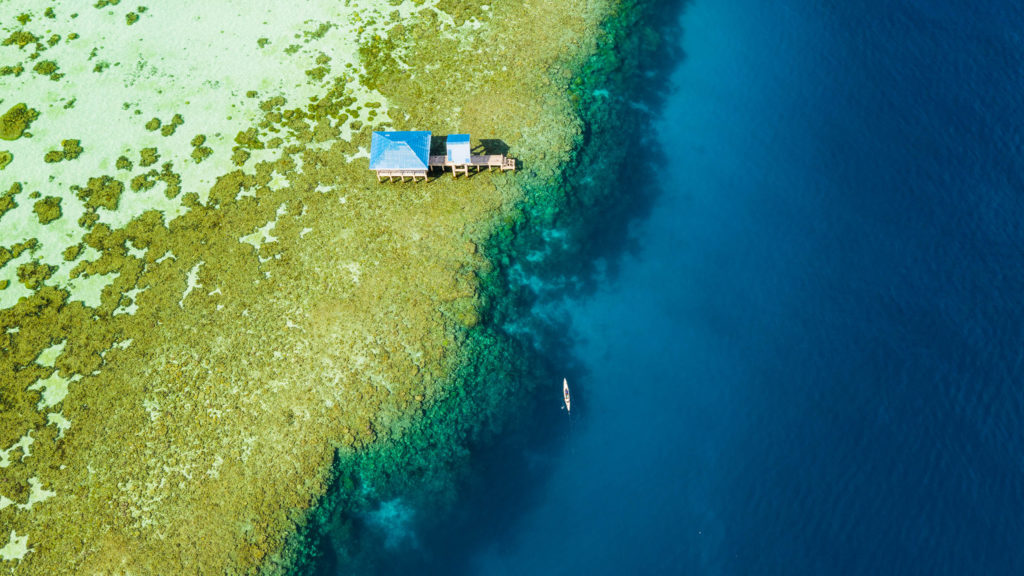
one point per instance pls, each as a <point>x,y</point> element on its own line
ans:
<point>565,392</point>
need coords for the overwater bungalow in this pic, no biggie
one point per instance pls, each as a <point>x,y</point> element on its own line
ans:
<point>406,154</point>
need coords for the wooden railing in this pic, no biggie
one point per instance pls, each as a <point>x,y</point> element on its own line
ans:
<point>499,161</point>
<point>403,174</point>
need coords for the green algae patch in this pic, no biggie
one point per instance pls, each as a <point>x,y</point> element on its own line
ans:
<point>70,150</point>
<point>201,153</point>
<point>12,70</point>
<point>101,192</point>
<point>47,209</point>
<point>8,254</point>
<point>143,181</point>
<point>16,120</point>
<point>20,38</point>
<point>88,220</point>
<point>72,252</point>
<point>148,157</point>
<point>47,68</point>
<point>33,274</point>
<point>239,157</point>
<point>6,158</point>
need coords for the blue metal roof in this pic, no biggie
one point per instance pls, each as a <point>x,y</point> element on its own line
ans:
<point>458,148</point>
<point>399,150</point>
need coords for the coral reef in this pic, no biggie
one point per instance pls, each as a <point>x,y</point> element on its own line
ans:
<point>15,121</point>
<point>506,355</point>
<point>222,330</point>
<point>47,209</point>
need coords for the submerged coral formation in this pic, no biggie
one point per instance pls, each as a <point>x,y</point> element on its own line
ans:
<point>207,319</point>
<point>15,121</point>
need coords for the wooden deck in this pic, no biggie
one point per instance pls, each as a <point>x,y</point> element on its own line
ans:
<point>499,161</point>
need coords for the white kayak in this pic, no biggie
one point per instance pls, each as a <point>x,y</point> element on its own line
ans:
<point>565,392</point>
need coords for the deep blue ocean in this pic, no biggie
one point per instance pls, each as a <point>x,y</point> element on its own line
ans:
<point>814,363</point>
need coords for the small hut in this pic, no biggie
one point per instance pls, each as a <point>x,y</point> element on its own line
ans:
<point>401,154</point>
<point>458,148</point>
<point>458,156</point>
<point>407,155</point>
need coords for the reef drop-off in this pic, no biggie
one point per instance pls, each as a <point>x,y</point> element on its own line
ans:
<point>218,310</point>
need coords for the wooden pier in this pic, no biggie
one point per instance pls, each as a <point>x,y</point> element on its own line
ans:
<point>491,161</point>
<point>406,154</point>
<point>499,161</point>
